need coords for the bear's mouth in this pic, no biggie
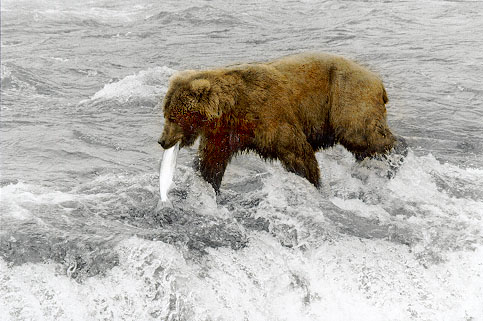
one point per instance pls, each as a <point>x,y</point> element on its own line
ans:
<point>172,133</point>
<point>167,143</point>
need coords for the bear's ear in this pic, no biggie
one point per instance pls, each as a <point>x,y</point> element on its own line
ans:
<point>200,86</point>
<point>207,100</point>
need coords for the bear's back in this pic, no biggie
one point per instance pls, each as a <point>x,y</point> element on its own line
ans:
<point>323,65</point>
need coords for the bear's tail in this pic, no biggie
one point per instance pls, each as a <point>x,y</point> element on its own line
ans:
<point>384,95</point>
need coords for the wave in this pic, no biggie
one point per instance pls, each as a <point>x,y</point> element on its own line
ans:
<point>270,246</point>
<point>15,78</point>
<point>427,205</point>
<point>73,15</point>
<point>197,16</point>
<point>337,281</point>
<point>147,86</point>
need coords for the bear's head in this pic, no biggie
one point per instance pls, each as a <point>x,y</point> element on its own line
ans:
<point>190,103</point>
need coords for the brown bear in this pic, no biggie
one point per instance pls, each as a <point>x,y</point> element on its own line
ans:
<point>286,109</point>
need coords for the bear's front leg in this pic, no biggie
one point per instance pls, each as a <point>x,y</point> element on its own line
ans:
<point>302,162</point>
<point>215,153</point>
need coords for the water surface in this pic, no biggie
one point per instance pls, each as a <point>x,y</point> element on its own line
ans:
<point>81,238</point>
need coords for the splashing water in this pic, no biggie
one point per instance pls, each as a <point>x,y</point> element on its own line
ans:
<point>81,236</point>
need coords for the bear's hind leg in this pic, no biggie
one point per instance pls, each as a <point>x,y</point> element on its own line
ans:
<point>291,147</point>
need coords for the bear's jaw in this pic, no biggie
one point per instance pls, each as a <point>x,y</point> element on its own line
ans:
<point>172,133</point>
<point>167,144</point>
<point>189,140</point>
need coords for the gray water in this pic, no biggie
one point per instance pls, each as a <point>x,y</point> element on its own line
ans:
<point>80,235</point>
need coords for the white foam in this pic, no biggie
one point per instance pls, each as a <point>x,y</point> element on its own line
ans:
<point>340,280</point>
<point>147,84</point>
<point>18,198</point>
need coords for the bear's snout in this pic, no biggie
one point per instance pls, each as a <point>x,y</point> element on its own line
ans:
<point>162,142</point>
<point>165,143</point>
<point>172,134</point>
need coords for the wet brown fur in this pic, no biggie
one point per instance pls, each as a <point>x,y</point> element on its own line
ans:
<point>286,109</point>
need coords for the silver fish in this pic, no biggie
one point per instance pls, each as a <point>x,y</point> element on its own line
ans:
<point>166,171</point>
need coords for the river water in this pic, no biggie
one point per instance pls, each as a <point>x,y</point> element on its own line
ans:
<point>80,235</point>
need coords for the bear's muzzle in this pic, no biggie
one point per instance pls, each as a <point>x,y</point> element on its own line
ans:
<point>172,134</point>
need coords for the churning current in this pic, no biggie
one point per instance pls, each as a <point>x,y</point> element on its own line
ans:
<point>80,236</point>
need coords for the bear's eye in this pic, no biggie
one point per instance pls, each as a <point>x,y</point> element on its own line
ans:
<point>193,98</point>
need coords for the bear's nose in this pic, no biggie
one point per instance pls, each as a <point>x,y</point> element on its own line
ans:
<point>161,142</point>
